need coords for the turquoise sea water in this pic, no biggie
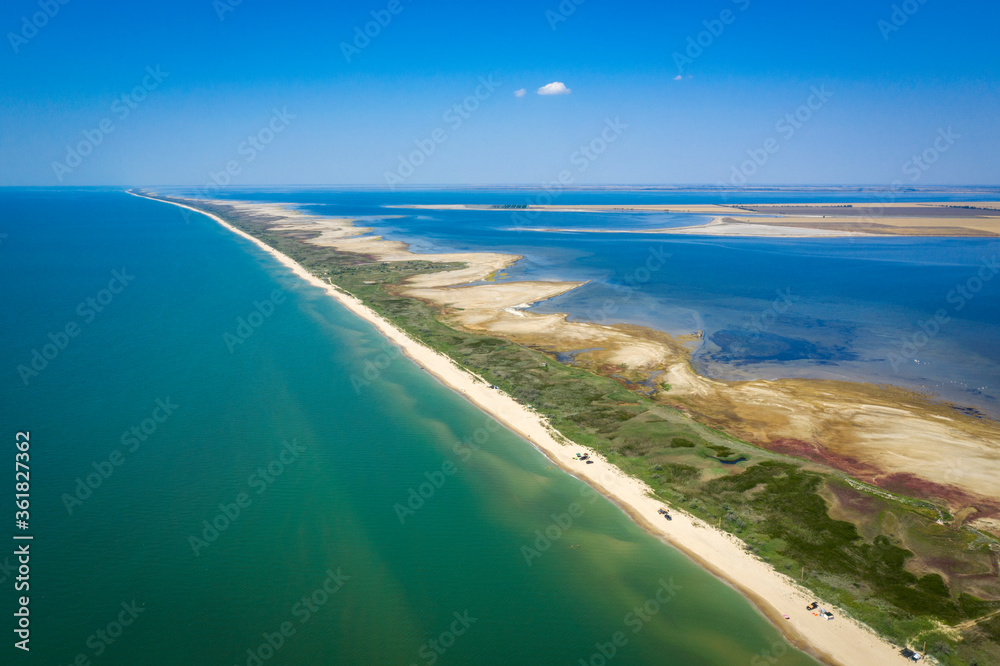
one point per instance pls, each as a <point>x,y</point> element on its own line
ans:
<point>238,490</point>
<point>857,309</point>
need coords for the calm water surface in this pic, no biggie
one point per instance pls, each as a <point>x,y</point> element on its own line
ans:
<point>226,491</point>
<point>858,309</point>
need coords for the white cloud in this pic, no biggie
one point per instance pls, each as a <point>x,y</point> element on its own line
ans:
<point>678,77</point>
<point>554,88</point>
<point>520,93</point>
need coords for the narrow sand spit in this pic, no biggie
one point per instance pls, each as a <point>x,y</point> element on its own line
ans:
<point>947,218</point>
<point>868,431</point>
<point>841,641</point>
<point>722,226</point>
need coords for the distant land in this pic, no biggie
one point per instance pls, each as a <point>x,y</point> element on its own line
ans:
<point>977,218</point>
<point>838,478</point>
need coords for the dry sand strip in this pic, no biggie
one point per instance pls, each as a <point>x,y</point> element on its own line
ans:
<point>722,226</point>
<point>841,641</point>
<point>972,226</point>
<point>959,219</point>
<point>698,209</point>
<point>855,208</point>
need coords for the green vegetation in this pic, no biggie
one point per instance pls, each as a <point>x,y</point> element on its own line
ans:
<point>808,534</point>
<point>887,560</point>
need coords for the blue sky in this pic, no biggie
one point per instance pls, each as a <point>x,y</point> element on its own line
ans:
<point>890,92</point>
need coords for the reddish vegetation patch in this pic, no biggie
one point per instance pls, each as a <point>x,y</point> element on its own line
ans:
<point>817,453</point>
<point>902,483</point>
<point>853,501</point>
<point>953,568</point>
<point>955,571</point>
<point>907,484</point>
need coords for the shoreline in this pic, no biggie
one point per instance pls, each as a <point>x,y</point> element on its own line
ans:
<point>843,641</point>
<point>720,226</point>
<point>806,220</point>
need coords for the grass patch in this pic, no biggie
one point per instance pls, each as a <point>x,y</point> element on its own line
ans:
<point>774,505</point>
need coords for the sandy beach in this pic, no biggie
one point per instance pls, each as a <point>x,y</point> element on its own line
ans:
<point>722,226</point>
<point>841,641</point>
<point>697,209</point>
<point>868,431</point>
<point>800,220</point>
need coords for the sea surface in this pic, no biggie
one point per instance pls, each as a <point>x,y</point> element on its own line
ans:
<point>922,313</point>
<point>226,467</point>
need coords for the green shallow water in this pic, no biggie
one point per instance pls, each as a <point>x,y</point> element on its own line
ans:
<point>402,579</point>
